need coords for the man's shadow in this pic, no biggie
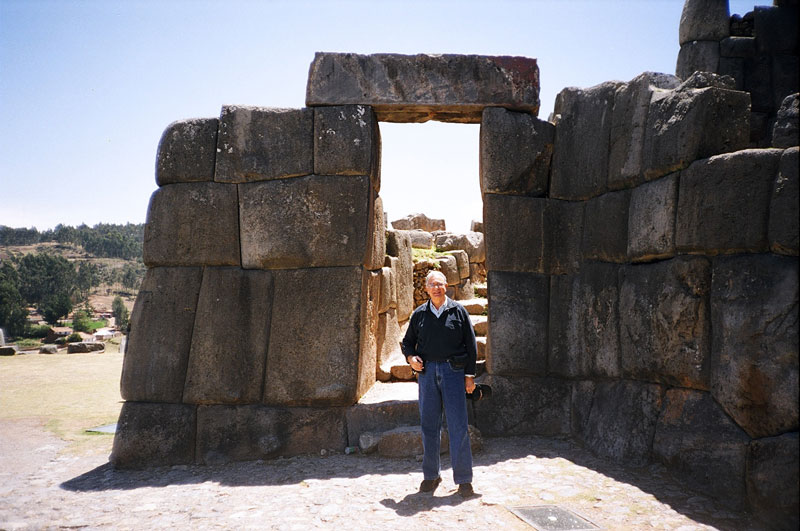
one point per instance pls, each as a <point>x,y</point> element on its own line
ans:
<point>416,502</point>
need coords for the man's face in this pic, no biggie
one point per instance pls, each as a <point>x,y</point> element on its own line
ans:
<point>436,287</point>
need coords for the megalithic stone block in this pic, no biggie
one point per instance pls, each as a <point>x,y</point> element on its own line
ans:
<point>418,88</point>
<point>697,56</point>
<point>192,224</point>
<point>723,202</point>
<point>230,337</point>
<point>786,131</point>
<point>313,221</point>
<point>314,356</point>
<point>398,244</point>
<point>154,367</point>
<point>517,338</point>
<point>688,124</point>
<point>665,333</point>
<point>704,20</point>
<point>754,370</point>
<point>605,233</point>
<point>695,438</point>
<point>772,479</point>
<point>376,234</point>
<point>151,435</point>
<point>187,151</point>
<point>515,152</point>
<point>784,233</point>
<point>651,219</point>
<point>347,141</point>
<point>629,124</point>
<point>583,127</point>
<point>263,143</point>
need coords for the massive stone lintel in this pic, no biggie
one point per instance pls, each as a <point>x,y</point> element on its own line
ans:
<point>418,88</point>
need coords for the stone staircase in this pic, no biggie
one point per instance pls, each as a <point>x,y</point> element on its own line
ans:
<point>386,419</point>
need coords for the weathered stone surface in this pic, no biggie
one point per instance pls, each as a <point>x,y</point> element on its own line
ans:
<point>697,440</point>
<point>697,56</point>
<point>314,356</point>
<point>605,231</point>
<point>464,290</point>
<point>783,207</point>
<point>758,82</point>
<point>388,290</point>
<point>691,124</point>
<point>515,152</point>
<point>389,335</point>
<point>628,126</point>
<point>347,142</point>
<point>548,239</point>
<point>471,242</point>
<point>776,29</point>
<point>418,222</point>
<point>622,421</point>
<point>406,441</point>
<point>230,337</point>
<point>418,88</point>
<point>583,127</point>
<point>583,330</point>
<point>524,406</point>
<point>581,408</point>
<point>786,131</point>
<point>702,79</point>
<point>262,143</point>
<point>754,319</point>
<point>368,333</point>
<point>651,219</point>
<point>772,479</point>
<point>723,202</point>
<point>376,233</point>
<point>187,151</point>
<point>84,347</point>
<point>462,261</point>
<point>480,323</point>
<point>313,221</point>
<point>477,275</point>
<point>154,367</point>
<point>8,350</point>
<point>518,323</point>
<point>481,342</point>
<point>704,20</point>
<point>785,72</point>
<point>154,434</point>
<point>449,267</point>
<point>737,47</point>
<point>228,433</point>
<point>379,417</point>
<point>476,226</point>
<point>44,349</point>
<point>398,244</point>
<point>664,327</point>
<point>192,224</point>
<point>420,239</point>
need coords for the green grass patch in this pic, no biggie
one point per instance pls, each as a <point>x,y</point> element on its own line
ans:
<point>419,255</point>
<point>28,343</point>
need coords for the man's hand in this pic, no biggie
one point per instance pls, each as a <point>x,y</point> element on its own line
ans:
<point>469,383</point>
<point>415,362</point>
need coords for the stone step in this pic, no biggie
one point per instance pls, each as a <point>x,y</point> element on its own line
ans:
<point>480,323</point>
<point>481,290</point>
<point>476,306</point>
<point>406,441</point>
<point>481,347</point>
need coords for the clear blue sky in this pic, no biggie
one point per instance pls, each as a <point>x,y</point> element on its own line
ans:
<point>87,87</point>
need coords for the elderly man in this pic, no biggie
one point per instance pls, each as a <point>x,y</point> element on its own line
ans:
<point>440,346</point>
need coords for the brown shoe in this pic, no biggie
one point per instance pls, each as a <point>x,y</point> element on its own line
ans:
<point>465,490</point>
<point>429,485</point>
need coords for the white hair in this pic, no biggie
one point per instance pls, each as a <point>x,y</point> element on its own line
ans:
<point>432,274</point>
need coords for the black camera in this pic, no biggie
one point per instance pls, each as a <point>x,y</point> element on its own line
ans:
<point>481,391</point>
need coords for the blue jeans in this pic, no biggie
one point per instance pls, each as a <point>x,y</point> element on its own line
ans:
<point>441,385</point>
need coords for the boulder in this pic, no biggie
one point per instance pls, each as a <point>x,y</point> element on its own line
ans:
<point>651,219</point>
<point>418,88</point>
<point>696,439</point>
<point>462,261</point>
<point>704,20</point>
<point>754,370</point>
<point>192,224</point>
<point>605,236</point>
<point>517,343</point>
<point>628,126</point>
<point>772,479</point>
<point>313,221</point>
<point>702,79</point>
<point>581,154</point>
<point>327,340</point>
<point>187,151</point>
<point>420,239</point>
<point>154,434</point>
<point>622,420</point>
<point>476,226</point>
<point>347,142</point>
<point>783,207</point>
<point>697,56</point>
<point>515,152</point>
<point>9,350</point>
<point>47,349</point>
<point>583,331</point>
<point>471,242</point>
<point>448,266</point>
<point>230,337</point>
<point>157,352</point>
<point>691,124</point>
<point>418,222</point>
<point>84,347</point>
<point>723,202</point>
<point>398,244</point>
<point>786,130</point>
<point>228,433</point>
<point>665,333</point>
<point>262,143</point>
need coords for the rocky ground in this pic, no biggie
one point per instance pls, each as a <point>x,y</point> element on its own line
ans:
<point>43,488</point>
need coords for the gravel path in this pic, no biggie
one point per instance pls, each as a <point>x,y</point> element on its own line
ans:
<point>42,489</point>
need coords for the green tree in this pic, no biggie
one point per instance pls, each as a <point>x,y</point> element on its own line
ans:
<point>81,321</point>
<point>120,312</point>
<point>88,276</point>
<point>55,307</point>
<point>132,275</point>
<point>44,276</point>
<point>13,315</point>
